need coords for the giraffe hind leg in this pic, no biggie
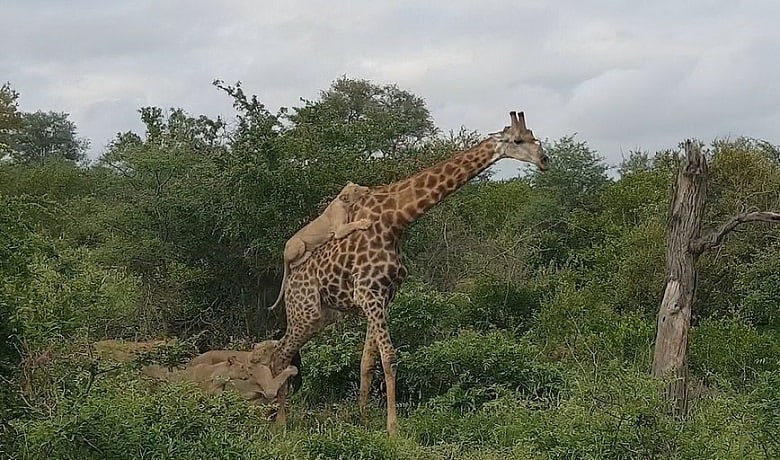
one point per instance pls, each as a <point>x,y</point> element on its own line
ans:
<point>304,313</point>
<point>366,371</point>
<point>373,305</point>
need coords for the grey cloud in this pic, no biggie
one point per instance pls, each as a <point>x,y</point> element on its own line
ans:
<point>623,75</point>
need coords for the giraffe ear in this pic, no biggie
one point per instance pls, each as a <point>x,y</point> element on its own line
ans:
<point>499,134</point>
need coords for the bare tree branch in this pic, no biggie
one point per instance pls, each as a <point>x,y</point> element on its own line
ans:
<point>714,238</point>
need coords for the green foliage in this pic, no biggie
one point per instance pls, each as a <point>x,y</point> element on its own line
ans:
<point>10,118</point>
<point>759,287</point>
<point>579,325</point>
<point>618,414</point>
<point>576,178</point>
<point>120,421</point>
<point>433,425</point>
<point>500,305</point>
<point>332,363</point>
<point>731,352</point>
<point>474,360</point>
<point>379,119</point>
<point>47,135</point>
<point>765,400</point>
<point>420,316</point>
<point>353,443</point>
<point>66,293</point>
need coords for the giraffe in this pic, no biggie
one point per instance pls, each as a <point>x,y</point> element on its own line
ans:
<point>361,273</point>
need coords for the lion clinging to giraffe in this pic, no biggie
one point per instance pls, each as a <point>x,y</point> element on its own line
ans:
<point>361,272</point>
<point>334,222</point>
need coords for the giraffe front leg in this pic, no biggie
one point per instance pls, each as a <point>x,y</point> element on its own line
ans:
<point>366,371</point>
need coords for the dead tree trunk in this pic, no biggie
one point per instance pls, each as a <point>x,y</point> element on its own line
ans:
<point>674,317</point>
<point>684,245</point>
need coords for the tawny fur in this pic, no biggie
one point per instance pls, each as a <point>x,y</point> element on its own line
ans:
<point>333,223</point>
<point>262,386</point>
<point>209,377</point>
<point>246,372</point>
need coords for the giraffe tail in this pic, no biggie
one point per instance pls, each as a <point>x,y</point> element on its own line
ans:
<point>281,290</point>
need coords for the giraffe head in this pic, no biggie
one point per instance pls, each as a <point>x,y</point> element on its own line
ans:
<point>518,142</point>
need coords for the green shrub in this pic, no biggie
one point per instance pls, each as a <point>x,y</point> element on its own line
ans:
<point>420,315</point>
<point>765,400</point>
<point>500,305</point>
<point>66,292</point>
<point>577,324</point>
<point>331,362</point>
<point>719,425</point>
<point>431,425</point>
<point>121,421</point>
<point>732,352</point>
<point>759,288</point>
<point>612,413</point>
<point>475,360</point>
<point>348,443</point>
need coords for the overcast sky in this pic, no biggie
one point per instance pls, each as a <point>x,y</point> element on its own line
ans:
<point>621,74</point>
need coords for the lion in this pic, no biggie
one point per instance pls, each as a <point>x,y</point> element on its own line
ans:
<point>260,384</point>
<point>262,352</point>
<point>261,387</point>
<point>332,223</point>
<point>211,377</point>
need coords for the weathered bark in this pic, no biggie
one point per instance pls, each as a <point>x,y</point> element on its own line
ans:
<point>674,317</point>
<point>683,247</point>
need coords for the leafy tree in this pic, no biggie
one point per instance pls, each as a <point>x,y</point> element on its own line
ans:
<point>359,118</point>
<point>576,178</point>
<point>10,118</point>
<point>46,135</point>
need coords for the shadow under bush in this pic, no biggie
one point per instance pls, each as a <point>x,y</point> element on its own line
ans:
<point>500,305</point>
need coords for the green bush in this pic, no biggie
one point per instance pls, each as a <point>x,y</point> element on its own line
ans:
<point>765,400</point>
<point>732,352</point>
<point>500,305</point>
<point>331,362</point>
<point>612,413</point>
<point>577,324</point>
<point>121,421</point>
<point>476,360</point>
<point>719,425</point>
<point>65,293</point>
<point>420,315</point>
<point>432,424</point>
<point>759,288</point>
<point>347,443</point>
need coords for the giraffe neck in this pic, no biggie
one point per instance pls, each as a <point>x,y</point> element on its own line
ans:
<point>412,197</point>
